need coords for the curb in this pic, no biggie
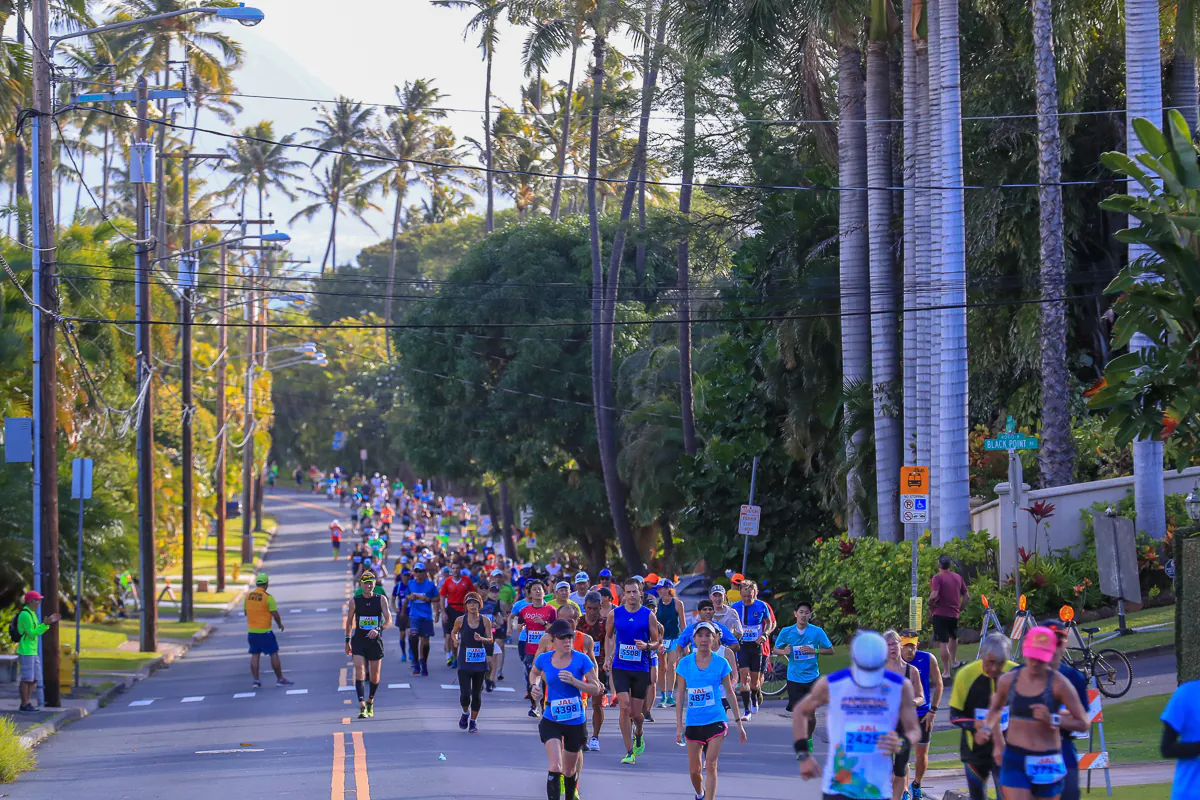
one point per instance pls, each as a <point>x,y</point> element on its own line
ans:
<point>66,716</point>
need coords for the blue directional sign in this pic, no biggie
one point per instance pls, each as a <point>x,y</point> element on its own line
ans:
<point>339,440</point>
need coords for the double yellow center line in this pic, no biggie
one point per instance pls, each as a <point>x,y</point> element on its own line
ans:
<point>362,786</point>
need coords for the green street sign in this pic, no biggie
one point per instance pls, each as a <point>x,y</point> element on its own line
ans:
<point>1011,441</point>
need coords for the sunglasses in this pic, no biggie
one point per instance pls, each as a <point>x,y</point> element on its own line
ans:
<point>568,638</point>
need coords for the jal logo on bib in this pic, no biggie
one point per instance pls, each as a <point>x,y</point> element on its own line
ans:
<point>565,708</point>
<point>629,652</point>
<point>476,655</point>
<point>862,739</point>
<point>751,633</point>
<point>701,697</point>
<point>368,623</point>
<point>1045,769</point>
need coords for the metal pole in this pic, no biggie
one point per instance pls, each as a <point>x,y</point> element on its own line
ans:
<point>746,544</point>
<point>78,587</point>
<point>145,430</point>
<point>1014,492</point>
<point>22,231</point>
<point>45,378</point>
<point>185,307</point>
<point>222,440</point>
<point>247,428</point>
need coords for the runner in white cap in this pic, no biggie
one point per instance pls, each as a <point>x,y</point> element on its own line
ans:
<point>867,706</point>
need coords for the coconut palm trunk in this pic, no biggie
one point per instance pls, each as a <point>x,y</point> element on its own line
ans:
<point>923,198</point>
<point>933,294</point>
<point>487,143</point>
<point>910,349</point>
<point>853,265</point>
<point>1057,453</point>
<point>884,377</point>
<point>1184,94</point>
<point>1143,98</point>
<point>683,257</point>
<point>391,284</point>
<point>556,199</point>
<point>331,246</point>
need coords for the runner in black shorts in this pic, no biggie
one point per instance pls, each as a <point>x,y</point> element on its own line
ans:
<point>367,617</point>
<point>563,728</point>
<point>631,634</point>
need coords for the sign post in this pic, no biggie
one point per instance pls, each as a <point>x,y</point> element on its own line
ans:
<point>914,512</point>
<point>1012,441</point>
<point>749,517</point>
<point>362,455</point>
<point>81,489</point>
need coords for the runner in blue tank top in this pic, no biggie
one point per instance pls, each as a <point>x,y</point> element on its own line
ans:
<point>932,688</point>
<point>631,632</point>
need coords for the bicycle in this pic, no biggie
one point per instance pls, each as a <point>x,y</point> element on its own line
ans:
<point>775,676</point>
<point>1109,669</point>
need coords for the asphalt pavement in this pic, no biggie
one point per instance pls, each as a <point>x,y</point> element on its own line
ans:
<point>197,730</point>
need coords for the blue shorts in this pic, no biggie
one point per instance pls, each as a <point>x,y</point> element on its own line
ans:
<point>421,627</point>
<point>262,643</point>
<point>1013,775</point>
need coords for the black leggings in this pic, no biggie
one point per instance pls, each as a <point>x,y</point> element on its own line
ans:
<point>470,689</point>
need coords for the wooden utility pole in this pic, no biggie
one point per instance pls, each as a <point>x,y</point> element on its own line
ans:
<point>145,368</point>
<point>45,378</point>
<point>22,233</point>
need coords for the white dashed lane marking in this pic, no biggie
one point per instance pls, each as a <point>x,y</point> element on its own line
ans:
<point>195,699</point>
<point>141,703</point>
<point>240,695</point>
<point>297,691</point>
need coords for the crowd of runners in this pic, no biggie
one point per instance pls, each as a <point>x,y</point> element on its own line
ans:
<point>593,648</point>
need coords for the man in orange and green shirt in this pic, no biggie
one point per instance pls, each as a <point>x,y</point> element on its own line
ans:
<point>260,611</point>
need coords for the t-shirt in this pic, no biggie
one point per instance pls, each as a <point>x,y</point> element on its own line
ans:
<point>536,619</point>
<point>507,594</point>
<point>516,612</point>
<point>685,637</point>
<point>704,689</point>
<point>950,589</point>
<point>259,605</point>
<point>30,629</point>
<point>754,617</point>
<point>564,704</point>
<point>969,701</point>
<point>1183,714</point>
<point>802,667</point>
<point>455,590</point>
<point>554,602</point>
<point>577,598</point>
<point>420,598</point>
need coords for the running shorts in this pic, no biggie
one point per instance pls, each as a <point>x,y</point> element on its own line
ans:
<point>262,643</point>
<point>944,628</point>
<point>402,622</point>
<point>636,684</point>
<point>1013,773</point>
<point>900,760</point>
<point>797,692</point>
<point>573,737</point>
<point>370,649</point>
<point>705,733</point>
<point>750,657</point>
<point>448,619</point>
<point>926,732</point>
<point>422,627</point>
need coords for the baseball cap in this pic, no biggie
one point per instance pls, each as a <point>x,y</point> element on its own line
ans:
<point>367,577</point>
<point>666,583</point>
<point>652,578</point>
<point>260,579</point>
<point>464,572</point>
<point>606,573</point>
<point>33,595</point>
<point>581,577</point>
<point>496,572</point>
<point>420,566</point>
<point>868,655</point>
<point>445,570</point>
<point>706,626</point>
<point>717,589</point>
<point>908,638</point>
<point>737,578</point>
<point>1040,644</point>
<point>562,585</point>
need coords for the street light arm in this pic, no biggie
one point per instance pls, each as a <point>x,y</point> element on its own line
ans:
<point>203,247</point>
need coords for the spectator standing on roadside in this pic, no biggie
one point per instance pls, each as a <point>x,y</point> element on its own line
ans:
<point>1181,739</point>
<point>27,649</point>
<point>947,591</point>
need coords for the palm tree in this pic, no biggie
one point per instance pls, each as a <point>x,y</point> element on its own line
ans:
<point>518,155</point>
<point>404,138</point>
<point>1057,450</point>
<point>447,196</point>
<point>485,19</point>
<point>1185,95</point>
<point>260,164</point>
<point>882,282</point>
<point>343,128</point>
<point>340,189</point>
<point>1143,98</point>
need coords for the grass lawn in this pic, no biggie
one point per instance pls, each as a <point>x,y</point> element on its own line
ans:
<point>167,628</point>
<point>114,661</point>
<point>204,557</point>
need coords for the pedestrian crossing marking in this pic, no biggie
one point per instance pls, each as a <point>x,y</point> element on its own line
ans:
<point>141,703</point>
<point>296,610</point>
<point>240,695</point>
<point>504,689</point>
<point>193,699</point>
<point>297,691</point>
<point>321,610</point>
<point>449,686</point>
<point>345,688</point>
<point>398,686</point>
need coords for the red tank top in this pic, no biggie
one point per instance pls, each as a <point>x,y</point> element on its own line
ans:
<point>597,633</point>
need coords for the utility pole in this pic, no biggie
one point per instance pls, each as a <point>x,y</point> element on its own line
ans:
<point>145,428</point>
<point>222,440</point>
<point>185,318</point>
<point>22,233</point>
<point>248,426</point>
<point>45,378</point>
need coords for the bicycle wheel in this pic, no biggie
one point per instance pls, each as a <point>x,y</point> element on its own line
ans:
<point>1113,673</point>
<point>775,678</point>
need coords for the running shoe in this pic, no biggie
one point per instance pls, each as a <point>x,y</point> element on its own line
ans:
<point>681,741</point>
<point>424,670</point>
<point>746,716</point>
<point>662,702</point>
<point>594,744</point>
<point>629,758</point>
<point>256,685</point>
<point>754,708</point>
<point>646,715</point>
<point>463,720</point>
<point>639,744</point>
<point>670,701</point>
<point>404,656</point>
<point>500,677</point>
<point>416,670</point>
<point>604,701</point>
<point>362,713</point>
<point>370,708</point>
<point>533,713</point>
<point>284,682</point>
<point>905,795</point>
<point>916,792</point>
<point>489,685</point>
<point>453,663</point>
<point>449,659</point>
<point>473,728</point>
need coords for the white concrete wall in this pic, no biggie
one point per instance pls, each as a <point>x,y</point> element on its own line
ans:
<point>1066,526</point>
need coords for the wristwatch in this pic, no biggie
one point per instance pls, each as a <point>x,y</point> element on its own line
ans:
<point>802,757</point>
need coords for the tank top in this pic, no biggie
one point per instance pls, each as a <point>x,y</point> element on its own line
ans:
<point>1021,705</point>
<point>630,626</point>
<point>921,663</point>
<point>368,613</point>
<point>597,633</point>
<point>856,719</point>
<point>668,618</point>
<point>472,653</point>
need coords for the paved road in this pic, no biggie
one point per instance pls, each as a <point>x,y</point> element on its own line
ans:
<point>171,736</point>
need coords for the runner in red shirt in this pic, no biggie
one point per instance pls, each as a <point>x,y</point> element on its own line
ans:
<point>535,618</point>
<point>454,592</point>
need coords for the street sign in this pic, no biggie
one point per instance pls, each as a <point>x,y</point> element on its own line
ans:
<point>914,508</point>
<point>81,479</point>
<point>1011,441</point>
<point>339,440</point>
<point>18,440</point>
<point>748,519</point>
<point>362,454</point>
<point>914,480</point>
<point>914,613</point>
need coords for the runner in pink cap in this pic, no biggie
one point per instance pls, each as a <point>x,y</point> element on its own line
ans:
<point>1039,645</point>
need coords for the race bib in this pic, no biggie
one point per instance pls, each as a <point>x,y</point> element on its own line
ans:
<point>668,644</point>
<point>565,709</point>
<point>476,655</point>
<point>701,697</point>
<point>628,652</point>
<point>751,632</point>
<point>1045,769</point>
<point>863,739</point>
<point>799,656</point>
<point>533,637</point>
<point>981,715</point>
<point>596,650</point>
<point>368,623</point>
<point>489,616</point>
